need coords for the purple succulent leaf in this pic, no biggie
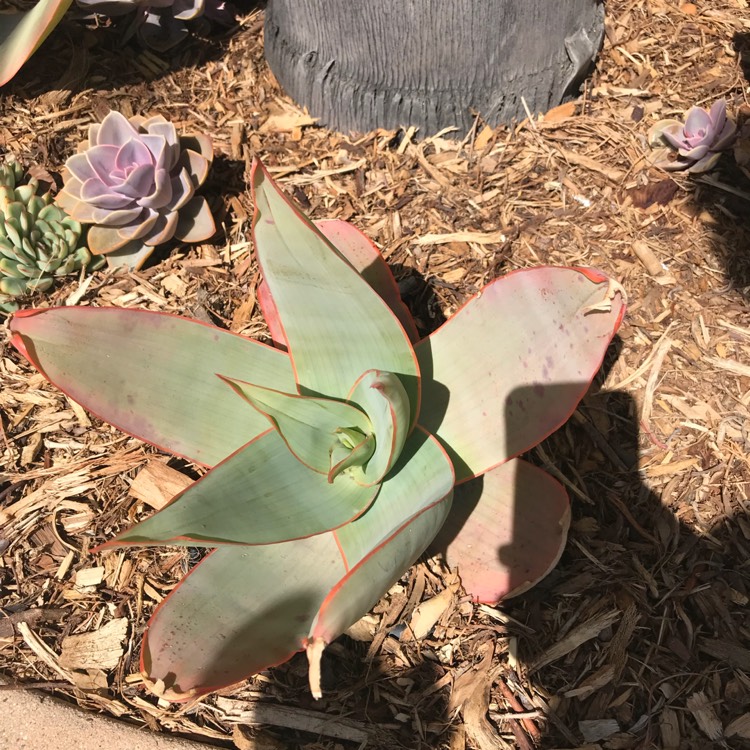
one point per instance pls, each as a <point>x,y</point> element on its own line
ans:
<point>196,221</point>
<point>161,197</point>
<point>142,228</point>
<point>656,135</point>
<point>78,166</point>
<point>103,240</point>
<point>705,164</point>
<point>197,167</point>
<point>99,195</point>
<point>93,139</point>
<point>101,158</point>
<point>87,213</point>
<point>131,256</point>
<point>163,229</point>
<point>115,130</point>
<point>693,154</point>
<point>698,126</point>
<point>666,158</point>
<point>132,154</point>
<point>157,147</point>
<point>674,136</point>
<point>726,138</point>
<point>200,143</point>
<point>139,182</point>
<point>182,190</point>
<point>158,126</point>
<point>718,115</point>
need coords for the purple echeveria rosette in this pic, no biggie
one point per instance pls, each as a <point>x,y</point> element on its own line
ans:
<point>696,144</point>
<point>134,181</point>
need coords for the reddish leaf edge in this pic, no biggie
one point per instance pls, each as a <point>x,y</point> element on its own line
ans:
<point>389,292</point>
<point>111,544</point>
<point>194,693</point>
<point>18,343</point>
<point>315,633</point>
<point>258,165</point>
<point>592,274</point>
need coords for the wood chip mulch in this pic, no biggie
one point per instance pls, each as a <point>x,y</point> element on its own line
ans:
<point>640,638</point>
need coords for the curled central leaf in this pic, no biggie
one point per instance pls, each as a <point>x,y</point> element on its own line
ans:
<point>353,448</point>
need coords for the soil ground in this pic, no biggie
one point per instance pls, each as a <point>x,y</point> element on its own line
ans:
<point>640,637</point>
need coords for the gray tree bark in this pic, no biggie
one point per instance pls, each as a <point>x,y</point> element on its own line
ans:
<point>364,64</point>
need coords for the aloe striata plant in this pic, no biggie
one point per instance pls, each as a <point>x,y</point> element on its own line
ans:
<point>337,462</point>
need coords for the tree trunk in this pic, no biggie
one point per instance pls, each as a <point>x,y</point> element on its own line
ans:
<point>364,64</point>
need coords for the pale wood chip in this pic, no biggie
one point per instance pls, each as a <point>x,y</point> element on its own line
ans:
<point>100,649</point>
<point>156,483</point>
<point>704,715</point>
<point>89,577</point>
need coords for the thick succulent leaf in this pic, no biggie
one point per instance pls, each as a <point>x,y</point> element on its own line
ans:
<point>154,375</point>
<point>259,495</point>
<point>506,530</point>
<point>195,222</point>
<point>545,328</point>
<point>308,425</point>
<point>244,609</point>
<point>21,34</point>
<point>241,610</point>
<point>336,325</point>
<point>382,543</point>
<point>382,397</point>
<point>365,257</point>
<point>131,256</point>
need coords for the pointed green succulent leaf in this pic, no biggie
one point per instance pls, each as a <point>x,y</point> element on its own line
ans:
<point>308,425</point>
<point>259,495</point>
<point>335,324</point>
<point>382,397</point>
<point>382,543</point>
<point>239,611</point>
<point>545,328</point>
<point>366,259</point>
<point>506,530</point>
<point>153,375</point>
<point>244,609</point>
<point>21,34</point>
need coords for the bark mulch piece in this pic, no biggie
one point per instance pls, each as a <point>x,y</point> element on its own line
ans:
<point>640,637</point>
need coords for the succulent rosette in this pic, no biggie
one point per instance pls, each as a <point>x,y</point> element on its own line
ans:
<point>38,240</point>
<point>134,181</point>
<point>696,144</point>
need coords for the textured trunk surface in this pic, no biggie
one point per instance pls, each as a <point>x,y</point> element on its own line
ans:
<point>364,64</point>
